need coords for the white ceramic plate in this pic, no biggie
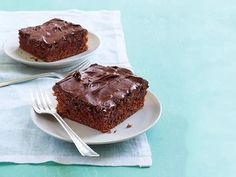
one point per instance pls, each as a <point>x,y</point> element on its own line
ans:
<point>141,121</point>
<point>11,48</point>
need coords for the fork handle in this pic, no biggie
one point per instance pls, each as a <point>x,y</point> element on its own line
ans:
<point>83,148</point>
<point>27,78</point>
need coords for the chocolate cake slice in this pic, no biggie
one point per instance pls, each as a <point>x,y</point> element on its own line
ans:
<point>54,40</point>
<point>100,97</point>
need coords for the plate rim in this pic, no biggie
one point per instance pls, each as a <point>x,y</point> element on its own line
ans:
<point>157,118</point>
<point>64,61</point>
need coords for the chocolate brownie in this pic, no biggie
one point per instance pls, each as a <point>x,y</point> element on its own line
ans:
<point>100,97</point>
<point>54,40</point>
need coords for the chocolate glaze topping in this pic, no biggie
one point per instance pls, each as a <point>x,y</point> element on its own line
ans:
<point>52,31</point>
<point>102,86</point>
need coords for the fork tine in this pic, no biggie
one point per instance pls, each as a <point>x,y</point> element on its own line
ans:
<point>43,101</point>
<point>71,68</point>
<point>38,100</point>
<point>48,100</point>
<point>83,65</point>
<point>33,100</point>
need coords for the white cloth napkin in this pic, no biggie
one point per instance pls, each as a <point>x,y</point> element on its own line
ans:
<point>20,140</point>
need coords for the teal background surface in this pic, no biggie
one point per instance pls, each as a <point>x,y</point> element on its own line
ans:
<point>186,49</point>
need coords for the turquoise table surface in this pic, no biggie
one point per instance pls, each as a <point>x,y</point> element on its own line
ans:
<point>186,49</point>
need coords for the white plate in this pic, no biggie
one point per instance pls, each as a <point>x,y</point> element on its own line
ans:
<point>141,121</point>
<point>11,48</point>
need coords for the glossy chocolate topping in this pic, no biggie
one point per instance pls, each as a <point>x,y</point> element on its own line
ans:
<point>102,86</point>
<point>52,31</point>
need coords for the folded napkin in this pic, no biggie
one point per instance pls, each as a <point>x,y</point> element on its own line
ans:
<point>20,140</point>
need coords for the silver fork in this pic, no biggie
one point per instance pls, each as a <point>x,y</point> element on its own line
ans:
<point>84,64</point>
<point>42,104</point>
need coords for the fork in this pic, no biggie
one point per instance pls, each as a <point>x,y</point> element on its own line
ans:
<point>42,104</point>
<point>84,64</point>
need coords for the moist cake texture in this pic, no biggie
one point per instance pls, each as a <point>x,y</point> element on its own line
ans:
<point>100,97</point>
<point>54,40</point>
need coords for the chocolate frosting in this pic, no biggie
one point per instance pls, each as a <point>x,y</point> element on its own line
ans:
<point>102,86</point>
<point>52,31</point>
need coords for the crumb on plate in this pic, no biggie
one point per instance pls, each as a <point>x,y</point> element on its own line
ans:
<point>129,126</point>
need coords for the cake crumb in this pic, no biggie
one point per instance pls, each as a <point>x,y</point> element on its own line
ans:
<point>34,58</point>
<point>129,126</point>
<point>114,131</point>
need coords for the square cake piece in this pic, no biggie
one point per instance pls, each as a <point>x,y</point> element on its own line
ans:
<point>54,40</point>
<point>100,97</point>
